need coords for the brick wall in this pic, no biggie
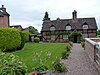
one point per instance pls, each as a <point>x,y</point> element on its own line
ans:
<point>4,22</point>
<point>93,51</point>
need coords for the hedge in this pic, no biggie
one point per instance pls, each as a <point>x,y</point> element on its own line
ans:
<point>22,41</point>
<point>10,39</point>
<point>26,36</point>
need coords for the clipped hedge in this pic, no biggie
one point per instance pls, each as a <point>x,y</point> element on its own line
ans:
<point>26,36</point>
<point>11,65</point>
<point>22,41</point>
<point>10,39</point>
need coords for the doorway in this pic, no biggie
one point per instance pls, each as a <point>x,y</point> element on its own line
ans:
<point>75,38</point>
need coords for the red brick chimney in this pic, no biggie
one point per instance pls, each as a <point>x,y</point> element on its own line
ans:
<point>74,15</point>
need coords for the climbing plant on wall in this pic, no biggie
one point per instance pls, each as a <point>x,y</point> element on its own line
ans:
<point>73,34</point>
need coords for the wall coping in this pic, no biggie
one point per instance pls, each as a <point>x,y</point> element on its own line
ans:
<point>90,40</point>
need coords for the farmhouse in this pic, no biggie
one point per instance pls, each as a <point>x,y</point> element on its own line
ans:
<point>4,17</point>
<point>60,29</point>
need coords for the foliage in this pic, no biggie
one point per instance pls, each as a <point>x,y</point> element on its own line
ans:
<point>68,47</point>
<point>98,32</point>
<point>59,65</point>
<point>41,68</point>
<point>11,65</point>
<point>26,36</point>
<point>73,34</point>
<point>32,54</point>
<point>22,41</point>
<point>33,30</point>
<point>36,39</point>
<point>83,44</point>
<point>9,39</point>
<point>66,52</point>
<point>46,17</point>
<point>98,36</point>
<point>70,43</point>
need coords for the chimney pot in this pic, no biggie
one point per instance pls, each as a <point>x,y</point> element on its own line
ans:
<point>74,14</point>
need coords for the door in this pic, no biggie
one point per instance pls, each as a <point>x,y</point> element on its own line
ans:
<point>75,38</point>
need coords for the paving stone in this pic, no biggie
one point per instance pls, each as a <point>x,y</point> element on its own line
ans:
<point>79,62</point>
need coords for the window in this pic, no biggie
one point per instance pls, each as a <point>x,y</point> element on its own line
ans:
<point>68,27</point>
<point>65,37</point>
<point>85,26</point>
<point>85,36</point>
<point>52,37</point>
<point>52,28</point>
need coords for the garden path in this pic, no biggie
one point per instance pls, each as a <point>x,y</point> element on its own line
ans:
<point>79,63</point>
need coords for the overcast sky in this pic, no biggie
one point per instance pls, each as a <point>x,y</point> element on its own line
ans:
<point>31,12</point>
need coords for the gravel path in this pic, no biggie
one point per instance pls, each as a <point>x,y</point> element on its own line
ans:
<point>79,62</point>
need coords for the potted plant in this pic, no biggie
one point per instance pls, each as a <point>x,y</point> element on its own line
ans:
<point>41,69</point>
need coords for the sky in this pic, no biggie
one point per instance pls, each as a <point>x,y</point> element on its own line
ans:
<point>31,12</point>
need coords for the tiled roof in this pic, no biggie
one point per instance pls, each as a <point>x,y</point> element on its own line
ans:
<point>1,14</point>
<point>3,11</point>
<point>60,24</point>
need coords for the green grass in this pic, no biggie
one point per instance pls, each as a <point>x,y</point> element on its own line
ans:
<point>31,51</point>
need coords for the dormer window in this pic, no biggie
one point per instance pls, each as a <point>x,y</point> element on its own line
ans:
<point>52,28</point>
<point>68,27</point>
<point>85,26</point>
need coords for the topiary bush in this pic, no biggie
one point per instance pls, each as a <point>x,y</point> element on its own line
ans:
<point>36,39</point>
<point>10,39</point>
<point>11,65</point>
<point>26,36</point>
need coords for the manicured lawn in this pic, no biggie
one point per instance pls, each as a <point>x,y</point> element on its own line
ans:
<point>34,54</point>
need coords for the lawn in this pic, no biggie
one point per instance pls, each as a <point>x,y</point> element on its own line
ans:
<point>35,54</point>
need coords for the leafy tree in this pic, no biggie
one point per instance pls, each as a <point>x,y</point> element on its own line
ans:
<point>33,30</point>
<point>46,16</point>
<point>98,32</point>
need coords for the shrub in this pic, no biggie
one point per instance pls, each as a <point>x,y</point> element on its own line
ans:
<point>83,44</point>
<point>41,68</point>
<point>36,39</point>
<point>11,65</point>
<point>71,43</point>
<point>22,41</point>
<point>59,65</point>
<point>9,39</point>
<point>65,54</point>
<point>68,47</point>
<point>26,36</point>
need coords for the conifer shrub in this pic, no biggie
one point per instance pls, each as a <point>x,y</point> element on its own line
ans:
<point>10,39</point>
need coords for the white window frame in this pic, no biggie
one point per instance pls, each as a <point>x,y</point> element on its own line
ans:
<point>85,26</point>
<point>52,28</point>
<point>68,27</point>
<point>65,37</point>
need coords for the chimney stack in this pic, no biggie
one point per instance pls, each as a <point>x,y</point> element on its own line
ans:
<point>74,14</point>
<point>3,8</point>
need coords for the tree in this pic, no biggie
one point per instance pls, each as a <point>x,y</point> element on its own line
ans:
<point>33,30</point>
<point>98,32</point>
<point>46,16</point>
